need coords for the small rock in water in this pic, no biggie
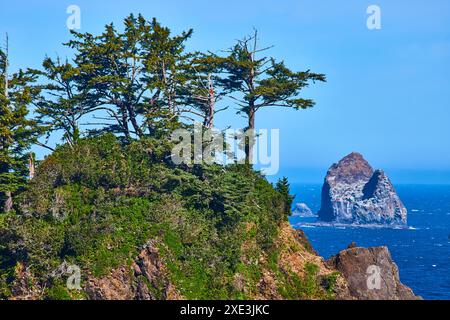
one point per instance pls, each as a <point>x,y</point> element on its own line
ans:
<point>302,210</point>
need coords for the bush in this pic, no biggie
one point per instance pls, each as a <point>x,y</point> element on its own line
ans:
<point>98,203</point>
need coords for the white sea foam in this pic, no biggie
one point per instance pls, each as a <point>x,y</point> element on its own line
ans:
<point>350,225</point>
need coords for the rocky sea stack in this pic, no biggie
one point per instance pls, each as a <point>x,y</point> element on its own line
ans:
<point>353,192</point>
<point>302,210</point>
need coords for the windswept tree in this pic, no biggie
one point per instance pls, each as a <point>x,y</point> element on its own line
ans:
<point>17,132</point>
<point>60,105</point>
<point>203,89</point>
<point>167,65</point>
<point>133,76</point>
<point>259,82</point>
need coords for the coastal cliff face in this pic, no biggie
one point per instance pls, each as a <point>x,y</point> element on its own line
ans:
<point>349,275</point>
<point>352,272</point>
<point>106,221</point>
<point>146,279</point>
<point>354,193</point>
<point>371,274</point>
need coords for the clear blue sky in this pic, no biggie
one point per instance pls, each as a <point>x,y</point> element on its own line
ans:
<point>387,94</point>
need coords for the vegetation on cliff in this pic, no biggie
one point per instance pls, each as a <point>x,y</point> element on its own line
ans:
<point>109,200</point>
<point>98,203</point>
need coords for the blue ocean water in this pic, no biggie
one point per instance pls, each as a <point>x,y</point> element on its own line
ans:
<point>422,252</point>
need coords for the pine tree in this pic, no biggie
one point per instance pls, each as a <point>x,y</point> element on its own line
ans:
<point>133,76</point>
<point>202,90</point>
<point>262,82</point>
<point>17,132</point>
<point>284,188</point>
<point>60,106</point>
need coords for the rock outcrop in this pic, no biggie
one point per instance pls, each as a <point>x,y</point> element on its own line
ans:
<point>302,210</point>
<point>371,274</point>
<point>354,193</point>
<point>146,280</point>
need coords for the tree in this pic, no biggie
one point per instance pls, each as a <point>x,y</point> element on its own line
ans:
<point>61,105</point>
<point>202,89</point>
<point>134,76</point>
<point>283,187</point>
<point>262,82</point>
<point>17,132</point>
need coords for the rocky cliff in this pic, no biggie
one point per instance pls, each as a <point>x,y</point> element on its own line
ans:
<point>354,193</point>
<point>101,220</point>
<point>349,275</point>
<point>371,274</point>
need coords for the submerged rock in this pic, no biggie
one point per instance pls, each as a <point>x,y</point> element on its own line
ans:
<point>371,274</point>
<point>354,193</point>
<point>302,210</point>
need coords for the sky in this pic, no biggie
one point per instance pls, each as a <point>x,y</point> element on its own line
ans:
<point>387,92</point>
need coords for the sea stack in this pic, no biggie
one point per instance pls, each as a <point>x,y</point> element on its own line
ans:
<point>302,210</point>
<point>356,194</point>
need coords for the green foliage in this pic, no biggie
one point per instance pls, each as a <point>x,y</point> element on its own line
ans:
<point>261,82</point>
<point>329,283</point>
<point>135,76</point>
<point>17,131</point>
<point>307,287</point>
<point>284,188</point>
<point>98,202</point>
<point>60,106</point>
<point>58,292</point>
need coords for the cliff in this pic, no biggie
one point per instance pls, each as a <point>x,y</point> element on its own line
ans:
<point>371,274</point>
<point>103,220</point>
<point>354,193</point>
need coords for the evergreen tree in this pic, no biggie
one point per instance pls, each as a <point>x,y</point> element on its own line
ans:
<point>284,188</point>
<point>17,132</point>
<point>61,105</point>
<point>262,82</point>
<point>203,89</point>
<point>134,76</point>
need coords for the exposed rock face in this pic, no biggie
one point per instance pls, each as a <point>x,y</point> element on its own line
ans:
<point>148,278</point>
<point>302,210</point>
<point>145,281</point>
<point>371,274</point>
<point>295,252</point>
<point>354,193</point>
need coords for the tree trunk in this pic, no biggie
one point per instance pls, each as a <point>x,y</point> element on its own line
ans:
<point>8,195</point>
<point>9,202</point>
<point>211,104</point>
<point>133,120</point>
<point>125,129</point>
<point>250,135</point>
<point>31,166</point>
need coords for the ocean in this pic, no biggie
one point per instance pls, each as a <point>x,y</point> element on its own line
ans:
<point>422,251</point>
